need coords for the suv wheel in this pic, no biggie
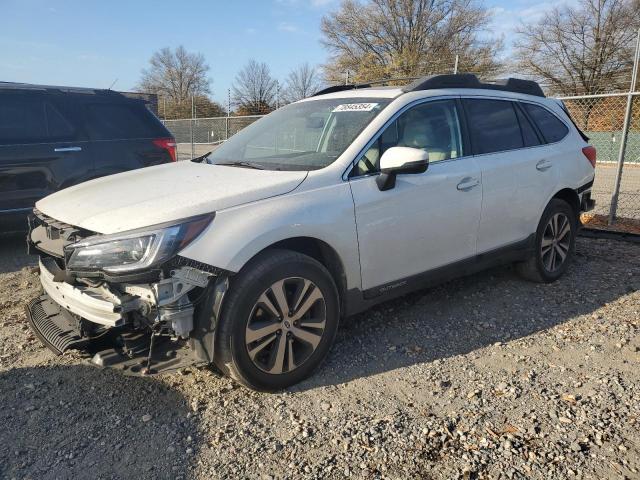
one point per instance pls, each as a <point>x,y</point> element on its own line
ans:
<point>554,244</point>
<point>278,321</point>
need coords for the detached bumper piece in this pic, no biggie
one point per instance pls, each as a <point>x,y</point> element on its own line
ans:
<point>59,330</point>
<point>130,355</point>
<point>55,327</point>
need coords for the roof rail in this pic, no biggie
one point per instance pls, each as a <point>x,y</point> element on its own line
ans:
<point>461,80</point>
<point>340,88</point>
<point>353,86</point>
<point>469,80</point>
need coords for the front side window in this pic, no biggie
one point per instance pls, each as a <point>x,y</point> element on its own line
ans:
<point>431,126</point>
<point>552,129</point>
<point>22,120</point>
<point>302,136</point>
<point>60,128</point>
<point>493,125</point>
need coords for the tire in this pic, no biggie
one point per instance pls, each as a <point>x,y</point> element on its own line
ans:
<point>541,267</point>
<point>251,309</point>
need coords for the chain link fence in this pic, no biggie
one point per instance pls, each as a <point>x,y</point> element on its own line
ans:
<point>197,136</point>
<point>609,121</point>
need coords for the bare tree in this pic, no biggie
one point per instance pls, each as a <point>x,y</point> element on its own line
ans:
<point>302,82</point>
<point>581,49</point>
<point>397,38</point>
<point>254,90</point>
<point>176,74</point>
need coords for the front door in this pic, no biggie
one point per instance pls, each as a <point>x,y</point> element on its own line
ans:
<point>427,220</point>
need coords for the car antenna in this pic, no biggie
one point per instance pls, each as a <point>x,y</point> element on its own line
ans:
<point>111,86</point>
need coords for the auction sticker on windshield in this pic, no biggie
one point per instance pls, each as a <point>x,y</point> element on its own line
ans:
<point>355,107</point>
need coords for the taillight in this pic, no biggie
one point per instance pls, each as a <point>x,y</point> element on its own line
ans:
<point>169,144</point>
<point>590,153</point>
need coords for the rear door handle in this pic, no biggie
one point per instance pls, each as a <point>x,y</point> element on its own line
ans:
<point>467,184</point>
<point>543,165</point>
<point>67,149</point>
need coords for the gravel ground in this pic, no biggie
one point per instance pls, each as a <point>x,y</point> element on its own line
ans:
<point>484,377</point>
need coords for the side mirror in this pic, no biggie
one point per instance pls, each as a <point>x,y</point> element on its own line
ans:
<point>400,160</point>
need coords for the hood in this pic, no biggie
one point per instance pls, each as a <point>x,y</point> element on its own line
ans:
<point>164,193</point>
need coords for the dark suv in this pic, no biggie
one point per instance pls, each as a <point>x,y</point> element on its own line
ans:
<point>55,137</point>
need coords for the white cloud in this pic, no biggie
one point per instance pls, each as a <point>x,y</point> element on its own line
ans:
<point>505,19</point>
<point>288,27</point>
<point>311,3</point>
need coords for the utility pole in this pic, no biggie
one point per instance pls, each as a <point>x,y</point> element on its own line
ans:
<point>625,133</point>
<point>226,123</point>
<point>192,126</point>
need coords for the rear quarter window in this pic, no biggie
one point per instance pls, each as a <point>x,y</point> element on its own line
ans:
<point>552,129</point>
<point>117,121</point>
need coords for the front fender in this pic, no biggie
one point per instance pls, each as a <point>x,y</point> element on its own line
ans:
<point>237,234</point>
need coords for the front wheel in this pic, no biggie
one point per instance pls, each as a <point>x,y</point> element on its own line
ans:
<point>278,321</point>
<point>554,243</point>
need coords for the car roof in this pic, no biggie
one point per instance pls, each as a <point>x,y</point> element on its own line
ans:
<point>393,92</point>
<point>30,87</point>
<point>431,85</point>
<point>370,92</point>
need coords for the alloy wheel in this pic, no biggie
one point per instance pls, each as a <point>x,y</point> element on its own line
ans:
<point>556,242</point>
<point>286,325</point>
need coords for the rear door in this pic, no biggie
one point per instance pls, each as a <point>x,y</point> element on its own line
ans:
<point>515,171</point>
<point>40,149</point>
<point>125,135</point>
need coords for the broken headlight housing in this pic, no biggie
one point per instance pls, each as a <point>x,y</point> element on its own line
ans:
<point>134,250</point>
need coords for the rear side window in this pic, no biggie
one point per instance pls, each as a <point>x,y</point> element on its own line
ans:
<point>22,120</point>
<point>529,135</point>
<point>552,129</point>
<point>118,121</point>
<point>493,125</point>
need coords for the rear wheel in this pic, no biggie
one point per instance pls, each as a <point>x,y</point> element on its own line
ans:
<point>278,321</point>
<point>554,243</point>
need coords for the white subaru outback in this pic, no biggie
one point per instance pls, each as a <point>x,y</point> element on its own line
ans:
<point>248,257</point>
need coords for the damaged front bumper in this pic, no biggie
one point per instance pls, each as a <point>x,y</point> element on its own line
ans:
<point>138,327</point>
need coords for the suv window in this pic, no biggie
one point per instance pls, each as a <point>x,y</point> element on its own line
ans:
<point>116,121</point>
<point>22,120</point>
<point>431,126</point>
<point>529,135</point>
<point>306,135</point>
<point>59,128</point>
<point>493,125</point>
<point>552,129</point>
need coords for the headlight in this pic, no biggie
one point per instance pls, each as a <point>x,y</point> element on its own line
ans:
<point>134,250</point>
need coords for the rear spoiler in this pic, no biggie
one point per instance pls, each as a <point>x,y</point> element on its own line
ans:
<point>566,110</point>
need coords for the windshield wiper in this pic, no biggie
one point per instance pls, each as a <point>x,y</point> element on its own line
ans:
<point>255,166</point>
<point>201,158</point>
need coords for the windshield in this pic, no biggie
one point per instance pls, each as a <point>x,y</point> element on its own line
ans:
<point>301,136</point>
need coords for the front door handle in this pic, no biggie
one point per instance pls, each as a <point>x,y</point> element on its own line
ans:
<point>67,149</point>
<point>543,165</point>
<point>467,184</point>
